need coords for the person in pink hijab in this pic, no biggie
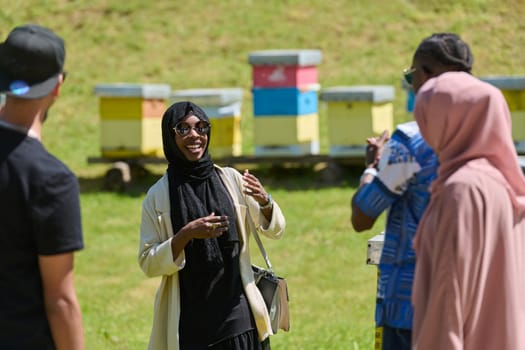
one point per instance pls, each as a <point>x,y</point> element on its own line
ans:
<point>469,284</point>
<point>399,171</point>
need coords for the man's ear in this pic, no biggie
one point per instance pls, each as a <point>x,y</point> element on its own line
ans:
<point>56,90</point>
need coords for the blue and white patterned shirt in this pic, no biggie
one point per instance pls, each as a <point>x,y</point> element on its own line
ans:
<point>406,169</point>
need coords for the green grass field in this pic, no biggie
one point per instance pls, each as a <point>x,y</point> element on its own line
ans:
<point>195,44</point>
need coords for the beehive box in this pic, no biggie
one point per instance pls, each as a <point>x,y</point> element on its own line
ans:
<point>355,113</point>
<point>226,136</point>
<point>291,57</point>
<point>130,119</point>
<point>285,101</point>
<point>208,96</point>
<point>285,129</point>
<point>283,76</point>
<point>223,107</point>
<point>513,89</point>
<point>298,149</point>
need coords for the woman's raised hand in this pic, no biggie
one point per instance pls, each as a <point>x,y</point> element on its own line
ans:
<point>254,188</point>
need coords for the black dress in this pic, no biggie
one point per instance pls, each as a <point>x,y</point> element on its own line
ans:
<point>215,313</point>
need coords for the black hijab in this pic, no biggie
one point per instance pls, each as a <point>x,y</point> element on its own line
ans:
<point>186,170</point>
<point>196,191</point>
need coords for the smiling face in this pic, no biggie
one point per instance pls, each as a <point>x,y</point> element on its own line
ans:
<point>192,145</point>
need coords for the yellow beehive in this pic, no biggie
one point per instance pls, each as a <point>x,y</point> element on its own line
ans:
<point>513,89</point>
<point>124,108</point>
<point>518,130</point>
<point>516,102</point>
<point>130,119</point>
<point>226,138</point>
<point>131,138</point>
<point>223,107</point>
<point>286,129</point>
<point>286,135</point>
<point>355,113</point>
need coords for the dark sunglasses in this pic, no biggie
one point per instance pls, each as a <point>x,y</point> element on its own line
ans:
<point>408,74</point>
<point>183,128</point>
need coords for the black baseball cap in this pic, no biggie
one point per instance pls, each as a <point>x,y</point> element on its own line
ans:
<point>31,60</point>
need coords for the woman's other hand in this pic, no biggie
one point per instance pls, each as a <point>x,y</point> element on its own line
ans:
<point>210,226</point>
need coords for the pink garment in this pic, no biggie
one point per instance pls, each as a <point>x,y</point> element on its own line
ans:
<point>463,118</point>
<point>469,284</point>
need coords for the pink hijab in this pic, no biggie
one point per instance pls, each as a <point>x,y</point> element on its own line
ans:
<point>462,119</point>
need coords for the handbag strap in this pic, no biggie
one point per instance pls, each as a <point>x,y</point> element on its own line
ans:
<point>250,221</point>
<point>258,239</point>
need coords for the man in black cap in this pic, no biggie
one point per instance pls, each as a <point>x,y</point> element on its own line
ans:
<point>40,224</point>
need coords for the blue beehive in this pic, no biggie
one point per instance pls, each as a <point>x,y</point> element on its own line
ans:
<point>284,101</point>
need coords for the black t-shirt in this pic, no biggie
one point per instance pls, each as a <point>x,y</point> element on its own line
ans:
<point>39,215</point>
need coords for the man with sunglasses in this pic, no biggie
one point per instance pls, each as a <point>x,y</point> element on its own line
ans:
<point>397,177</point>
<point>40,224</point>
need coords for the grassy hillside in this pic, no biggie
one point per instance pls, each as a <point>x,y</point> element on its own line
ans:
<point>194,44</point>
<point>199,43</point>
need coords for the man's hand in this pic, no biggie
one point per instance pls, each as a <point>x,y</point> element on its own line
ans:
<point>374,149</point>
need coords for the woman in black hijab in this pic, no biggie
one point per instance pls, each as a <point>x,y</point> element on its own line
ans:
<point>194,233</point>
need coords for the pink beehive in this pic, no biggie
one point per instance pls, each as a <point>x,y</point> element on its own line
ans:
<point>283,75</point>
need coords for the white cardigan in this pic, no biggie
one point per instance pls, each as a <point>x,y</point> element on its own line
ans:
<point>156,258</point>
